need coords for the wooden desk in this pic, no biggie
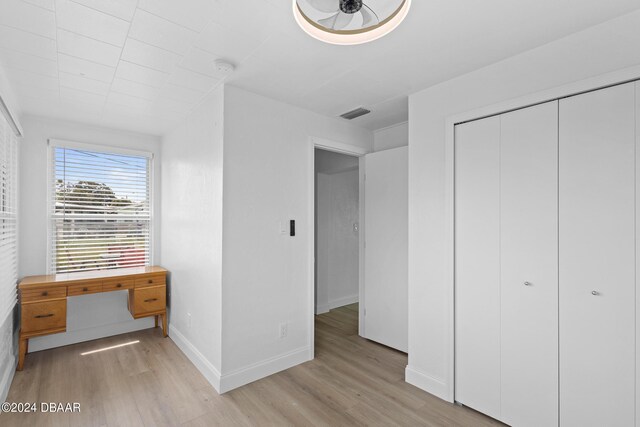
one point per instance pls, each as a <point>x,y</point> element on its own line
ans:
<point>43,299</point>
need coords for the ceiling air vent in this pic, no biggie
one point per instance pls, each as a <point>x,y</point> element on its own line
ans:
<point>354,114</point>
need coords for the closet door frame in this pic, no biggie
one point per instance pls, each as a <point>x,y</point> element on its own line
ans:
<point>637,86</point>
<point>446,391</point>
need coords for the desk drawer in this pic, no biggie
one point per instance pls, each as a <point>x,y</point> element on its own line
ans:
<point>149,300</point>
<point>43,294</point>
<point>42,316</point>
<point>117,285</point>
<point>155,280</point>
<point>84,289</point>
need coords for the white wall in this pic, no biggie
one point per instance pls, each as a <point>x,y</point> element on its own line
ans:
<point>391,137</point>
<point>8,326</point>
<point>343,260</point>
<point>192,173</point>
<point>265,273</point>
<point>607,47</point>
<point>337,244</point>
<point>88,316</point>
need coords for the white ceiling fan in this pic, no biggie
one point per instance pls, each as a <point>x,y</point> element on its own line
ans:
<point>349,21</point>
<point>344,11</point>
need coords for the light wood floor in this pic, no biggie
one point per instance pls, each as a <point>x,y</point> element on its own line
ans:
<point>352,381</point>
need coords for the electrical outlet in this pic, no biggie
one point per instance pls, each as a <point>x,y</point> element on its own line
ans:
<point>188,320</point>
<point>283,330</point>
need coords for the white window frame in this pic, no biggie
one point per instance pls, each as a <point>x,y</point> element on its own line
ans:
<point>14,205</point>
<point>61,143</point>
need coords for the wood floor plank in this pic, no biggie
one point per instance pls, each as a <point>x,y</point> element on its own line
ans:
<point>260,411</point>
<point>320,405</point>
<point>351,382</point>
<point>222,410</point>
<point>121,411</point>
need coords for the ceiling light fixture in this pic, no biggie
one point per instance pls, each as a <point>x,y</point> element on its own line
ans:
<point>349,22</point>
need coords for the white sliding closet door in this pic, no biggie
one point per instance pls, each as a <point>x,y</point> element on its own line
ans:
<point>477,265</point>
<point>529,266</point>
<point>597,258</point>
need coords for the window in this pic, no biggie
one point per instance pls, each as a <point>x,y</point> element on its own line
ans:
<point>8,218</point>
<point>100,209</point>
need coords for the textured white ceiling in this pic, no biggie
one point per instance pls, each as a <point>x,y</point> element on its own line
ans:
<point>142,65</point>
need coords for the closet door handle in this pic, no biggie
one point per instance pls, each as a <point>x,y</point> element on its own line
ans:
<point>595,293</point>
<point>527,283</point>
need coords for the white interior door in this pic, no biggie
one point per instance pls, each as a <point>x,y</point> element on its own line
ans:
<point>386,247</point>
<point>477,265</point>
<point>529,266</point>
<point>597,258</point>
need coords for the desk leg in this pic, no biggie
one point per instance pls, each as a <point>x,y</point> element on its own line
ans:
<point>156,317</point>
<point>164,324</point>
<point>22,352</point>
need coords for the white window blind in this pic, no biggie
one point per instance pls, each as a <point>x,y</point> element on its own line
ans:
<point>8,218</point>
<point>100,214</point>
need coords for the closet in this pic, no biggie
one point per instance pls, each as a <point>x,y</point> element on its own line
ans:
<point>545,262</point>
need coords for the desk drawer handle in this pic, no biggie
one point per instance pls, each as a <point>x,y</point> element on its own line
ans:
<point>45,293</point>
<point>151,300</point>
<point>150,281</point>
<point>41,316</point>
<point>85,289</point>
<point>119,285</point>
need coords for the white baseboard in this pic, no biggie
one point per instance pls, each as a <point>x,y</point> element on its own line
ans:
<point>227,382</point>
<point>321,309</point>
<point>431,385</point>
<point>7,378</point>
<point>72,337</point>
<point>340,302</point>
<point>205,367</point>
<point>263,369</point>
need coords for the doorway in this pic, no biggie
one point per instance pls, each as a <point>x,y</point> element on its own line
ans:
<point>380,258</point>
<point>336,231</point>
